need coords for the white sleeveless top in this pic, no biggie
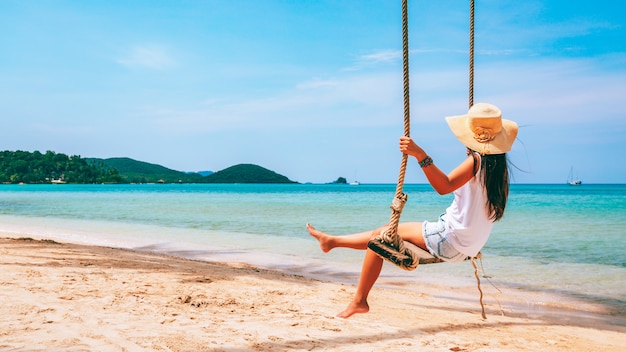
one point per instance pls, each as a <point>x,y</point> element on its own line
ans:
<point>467,219</point>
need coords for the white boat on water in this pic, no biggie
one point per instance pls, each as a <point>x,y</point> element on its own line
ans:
<point>573,181</point>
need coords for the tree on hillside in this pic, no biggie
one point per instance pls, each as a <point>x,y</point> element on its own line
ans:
<point>35,167</point>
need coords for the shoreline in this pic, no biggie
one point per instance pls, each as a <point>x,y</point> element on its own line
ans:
<point>453,282</point>
<point>64,296</point>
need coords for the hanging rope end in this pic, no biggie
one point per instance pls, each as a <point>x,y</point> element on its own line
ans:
<point>482,305</point>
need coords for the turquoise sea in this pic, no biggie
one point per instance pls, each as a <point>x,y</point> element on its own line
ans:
<point>560,249</point>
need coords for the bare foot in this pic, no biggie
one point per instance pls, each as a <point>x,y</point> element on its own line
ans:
<point>321,237</point>
<point>354,308</point>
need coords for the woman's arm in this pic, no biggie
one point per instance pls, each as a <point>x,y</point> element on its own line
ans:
<point>441,182</point>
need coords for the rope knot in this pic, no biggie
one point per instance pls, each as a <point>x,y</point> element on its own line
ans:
<point>398,203</point>
<point>391,237</point>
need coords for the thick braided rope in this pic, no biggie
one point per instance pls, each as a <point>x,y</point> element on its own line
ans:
<point>391,235</point>
<point>399,196</point>
<point>471,102</point>
<point>407,107</point>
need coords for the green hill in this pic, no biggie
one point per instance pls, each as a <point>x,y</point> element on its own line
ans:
<point>246,173</point>
<point>35,167</point>
<point>134,171</point>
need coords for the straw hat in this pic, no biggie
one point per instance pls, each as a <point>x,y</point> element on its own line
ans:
<point>484,130</point>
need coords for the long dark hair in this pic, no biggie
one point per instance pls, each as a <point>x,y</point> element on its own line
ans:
<point>495,175</point>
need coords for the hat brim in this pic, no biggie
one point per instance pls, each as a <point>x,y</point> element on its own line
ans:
<point>500,144</point>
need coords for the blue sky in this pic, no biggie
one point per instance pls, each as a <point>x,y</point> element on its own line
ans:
<point>313,89</point>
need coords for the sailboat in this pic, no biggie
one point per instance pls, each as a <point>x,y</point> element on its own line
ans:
<point>355,182</point>
<point>571,180</point>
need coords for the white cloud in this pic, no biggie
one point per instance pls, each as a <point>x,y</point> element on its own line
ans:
<point>385,56</point>
<point>155,57</point>
<point>344,101</point>
<point>571,90</point>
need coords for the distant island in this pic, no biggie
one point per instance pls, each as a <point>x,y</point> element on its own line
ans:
<point>340,181</point>
<point>50,167</point>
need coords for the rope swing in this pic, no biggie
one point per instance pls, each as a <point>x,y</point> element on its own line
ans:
<point>388,244</point>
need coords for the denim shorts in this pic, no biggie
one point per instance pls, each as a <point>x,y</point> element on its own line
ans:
<point>437,243</point>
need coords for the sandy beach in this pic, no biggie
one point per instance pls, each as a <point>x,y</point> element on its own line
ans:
<point>70,297</point>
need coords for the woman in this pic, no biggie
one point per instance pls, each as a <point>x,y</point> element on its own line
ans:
<point>480,185</point>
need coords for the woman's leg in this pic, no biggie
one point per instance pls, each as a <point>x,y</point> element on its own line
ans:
<point>372,264</point>
<point>328,242</point>
<point>409,231</point>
